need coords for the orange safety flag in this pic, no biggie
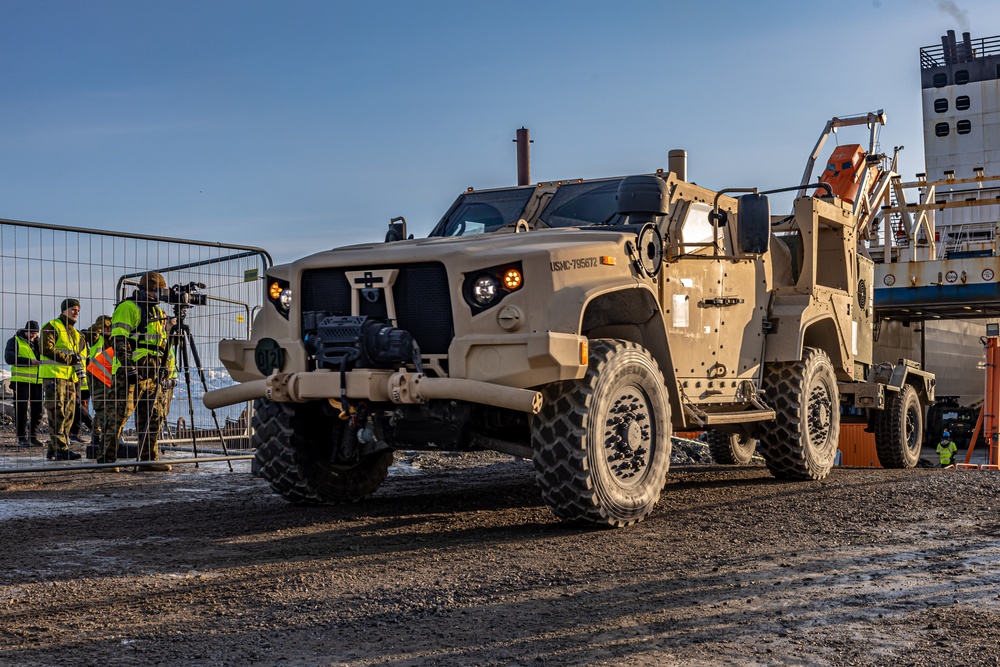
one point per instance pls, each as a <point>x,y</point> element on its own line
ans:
<point>101,366</point>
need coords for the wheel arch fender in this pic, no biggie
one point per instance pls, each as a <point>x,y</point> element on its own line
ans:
<point>823,334</point>
<point>791,338</point>
<point>634,314</point>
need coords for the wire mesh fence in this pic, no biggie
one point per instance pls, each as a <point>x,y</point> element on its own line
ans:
<point>213,293</point>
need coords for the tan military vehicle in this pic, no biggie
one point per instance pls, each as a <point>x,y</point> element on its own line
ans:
<point>576,323</point>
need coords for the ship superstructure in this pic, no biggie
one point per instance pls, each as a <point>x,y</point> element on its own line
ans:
<point>934,239</point>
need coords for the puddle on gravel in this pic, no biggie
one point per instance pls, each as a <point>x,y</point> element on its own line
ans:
<point>182,485</point>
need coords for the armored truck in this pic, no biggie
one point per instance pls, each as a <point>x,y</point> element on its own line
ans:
<point>576,323</point>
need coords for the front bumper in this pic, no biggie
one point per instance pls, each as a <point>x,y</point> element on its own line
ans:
<point>376,386</point>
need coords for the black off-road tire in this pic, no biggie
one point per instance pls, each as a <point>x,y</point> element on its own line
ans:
<point>602,443</point>
<point>802,441</point>
<point>899,430</point>
<point>731,448</point>
<point>294,443</point>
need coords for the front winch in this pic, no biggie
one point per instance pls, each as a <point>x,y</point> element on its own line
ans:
<point>343,342</point>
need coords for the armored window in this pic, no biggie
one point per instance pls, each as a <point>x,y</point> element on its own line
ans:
<point>846,165</point>
<point>697,229</point>
<point>582,204</point>
<point>940,105</point>
<point>940,80</point>
<point>962,102</point>
<point>479,212</point>
<point>962,77</point>
<point>963,126</point>
<point>941,129</point>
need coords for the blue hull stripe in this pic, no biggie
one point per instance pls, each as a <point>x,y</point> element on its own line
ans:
<point>937,295</point>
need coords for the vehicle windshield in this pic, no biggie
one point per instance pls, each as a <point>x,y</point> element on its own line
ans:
<point>582,204</point>
<point>572,205</point>
<point>480,212</point>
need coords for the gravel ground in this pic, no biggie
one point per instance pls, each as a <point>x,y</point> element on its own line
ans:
<point>455,561</point>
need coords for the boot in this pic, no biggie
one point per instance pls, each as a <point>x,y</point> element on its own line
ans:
<point>157,466</point>
<point>66,455</point>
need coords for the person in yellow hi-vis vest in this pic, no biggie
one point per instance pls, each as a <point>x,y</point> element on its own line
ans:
<point>946,449</point>
<point>61,348</point>
<point>132,373</point>
<point>96,335</point>
<point>22,355</point>
<point>83,404</point>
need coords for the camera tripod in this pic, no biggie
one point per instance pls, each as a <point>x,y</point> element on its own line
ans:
<point>181,341</point>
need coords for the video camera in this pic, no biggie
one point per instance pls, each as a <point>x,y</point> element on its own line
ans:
<point>184,295</point>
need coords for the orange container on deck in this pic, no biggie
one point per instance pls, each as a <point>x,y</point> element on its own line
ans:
<point>857,448</point>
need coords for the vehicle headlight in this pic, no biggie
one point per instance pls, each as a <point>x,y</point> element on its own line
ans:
<point>485,290</point>
<point>279,293</point>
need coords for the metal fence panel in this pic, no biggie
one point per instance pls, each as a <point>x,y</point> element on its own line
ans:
<point>44,264</point>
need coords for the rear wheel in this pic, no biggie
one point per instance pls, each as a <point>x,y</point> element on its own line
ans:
<point>731,448</point>
<point>602,443</point>
<point>295,442</point>
<point>899,430</point>
<point>802,441</point>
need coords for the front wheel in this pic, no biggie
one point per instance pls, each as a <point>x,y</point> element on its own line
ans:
<point>295,444</point>
<point>899,430</point>
<point>601,444</point>
<point>802,441</point>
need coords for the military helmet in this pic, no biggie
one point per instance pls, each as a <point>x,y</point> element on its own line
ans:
<point>101,322</point>
<point>152,281</point>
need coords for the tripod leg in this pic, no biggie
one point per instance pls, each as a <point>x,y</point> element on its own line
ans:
<point>182,360</point>
<point>204,385</point>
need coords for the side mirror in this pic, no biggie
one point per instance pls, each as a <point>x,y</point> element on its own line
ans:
<point>753,233</point>
<point>397,230</point>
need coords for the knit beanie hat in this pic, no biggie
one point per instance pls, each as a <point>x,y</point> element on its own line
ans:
<point>68,303</point>
<point>31,326</point>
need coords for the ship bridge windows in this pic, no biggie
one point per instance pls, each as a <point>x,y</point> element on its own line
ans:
<point>940,80</point>
<point>962,102</point>
<point>963,126</point>
<point>941,130</point>
<point>961,77</point>
<point>941,105</point>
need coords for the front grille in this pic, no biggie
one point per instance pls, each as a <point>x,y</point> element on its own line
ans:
<point>421,293</point>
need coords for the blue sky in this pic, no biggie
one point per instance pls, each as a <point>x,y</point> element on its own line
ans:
<point>302,125</point>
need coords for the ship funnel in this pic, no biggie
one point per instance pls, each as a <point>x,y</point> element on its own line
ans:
<point>969,54</point>
<point>950,48</point>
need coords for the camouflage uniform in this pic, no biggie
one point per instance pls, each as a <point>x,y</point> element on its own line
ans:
<point>139,373</point>
<point>61,348</point>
